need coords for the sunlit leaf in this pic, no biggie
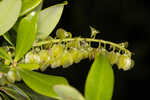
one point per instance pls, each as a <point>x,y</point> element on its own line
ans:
<point>66,92</point>
<point>48,19</point>
<point>4,54</point>
<point>29,66</point>
<point>29,5</point>
<point>26,34</point>
<point>9,12</point>
<point>4,68</point>
<point>15,92</point>
<point>41,83</point>
<point>39,7</point>
<point>100,80</point>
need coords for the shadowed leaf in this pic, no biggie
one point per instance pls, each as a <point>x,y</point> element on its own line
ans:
<point>4,68</point>
<point>4,54</point>
<point>68,93</point>
<point>15,92</point>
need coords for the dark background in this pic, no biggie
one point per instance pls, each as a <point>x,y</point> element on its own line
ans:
<point>118,21</point>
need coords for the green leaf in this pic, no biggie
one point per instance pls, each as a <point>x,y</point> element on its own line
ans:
<point>4,54</point>
<point>33,95</point>
<point>10,36</point>
<point>29,5</point>
<point>41,83</point>
<point>4,68</point>
<point>7,37</point>
<point>9,12</point>
<point>100,80</point>
<point>39,7</point>
<point>26,34</point>
<point>48,19</point>
<point>3,96</point>
<point>29,66</point>
<point>15,27</point>
<point>15,92</point>
<point>68,93</point>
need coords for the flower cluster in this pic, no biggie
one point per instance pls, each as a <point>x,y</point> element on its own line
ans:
<point>65,50</point>
<point>73,51</point>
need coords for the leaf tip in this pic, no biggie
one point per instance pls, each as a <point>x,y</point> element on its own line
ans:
<point>65,2</point>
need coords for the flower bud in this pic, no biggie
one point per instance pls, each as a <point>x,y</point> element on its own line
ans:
<point>84,53</point>
<point>132,63</point>
<point>97,52</point>
<point>113,57</point>
<point>44,59</point>
<point>61,33</point>
<point>32,58</point>
<point>76,56</point>
<point>103,51</point>
<point>124,62</point>
<point>55,64</point>
<point>11,76</point>
<point>91,52</point>
<point>56,51</point>
<point>66,60</point>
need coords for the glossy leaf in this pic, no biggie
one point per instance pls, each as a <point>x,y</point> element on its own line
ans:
<point>26,34</point>
<point>100,80</point>
<point>29,5</point>
<point>4,68</point>
<point>9,12</point>
<point>41,83</point>
<point>29,66</point>
<point>39,7</point>
<point>3,96</point>
<point>48,19</point>
<point>66,92</point>
<point>15,92</point>
<point>4,54</point>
